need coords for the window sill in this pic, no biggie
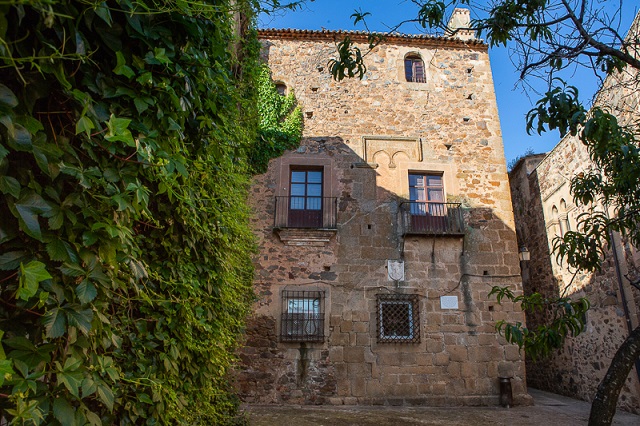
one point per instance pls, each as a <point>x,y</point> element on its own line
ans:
<point>305,237</point>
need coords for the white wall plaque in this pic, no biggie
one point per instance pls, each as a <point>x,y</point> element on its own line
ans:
<point>448,302</point>
<point>395,270</point>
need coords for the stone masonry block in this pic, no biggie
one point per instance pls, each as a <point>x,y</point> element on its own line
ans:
<point>346,326</point>
<point>335,320</point>
<point>336,354</point>
<point>389,380</point>
<point>407,358</point>
<point>361,327</point>
<point>441,358</point>
<point>359,370</point>
<point>339,339</point>
<point>453,369</point>
<point>388,359</point>
<point>404,389</point>
<point>358,386</point>
<point>374,388</point>
<point>458,353</point>
<point>512,353</point>
<point>363,339</point>
<point>353,354</point>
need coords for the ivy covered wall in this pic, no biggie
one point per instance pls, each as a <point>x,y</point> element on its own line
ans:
<point>125,261</point>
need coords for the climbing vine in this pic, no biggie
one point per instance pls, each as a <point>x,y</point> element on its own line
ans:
<point>280,122</point>
<point>125,269</point>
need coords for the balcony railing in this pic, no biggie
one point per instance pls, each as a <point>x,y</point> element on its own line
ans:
<point>306,212</point>
<point>429,218</point>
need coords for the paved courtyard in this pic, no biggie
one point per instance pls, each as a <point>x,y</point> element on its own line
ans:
<point>548,409</point>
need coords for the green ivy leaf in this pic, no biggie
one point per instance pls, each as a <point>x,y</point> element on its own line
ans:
<point>86,291</point>
<point>80,319</point>
<point>141,105</point>
<point>121,66</point>
<point>19,137</point>
<point>55,218</point>
<point>106,395</point>
<point>11,260</point>
<point>27,355</point>
<point>84,124</point>
<point>89,386</point>
<point>7,97</point>
<point>143,397</point>
<point>71,380</point>
<point>93,418</point>
<point>72,270</point>
<point>64,412</point>
<point>28,208</point>
<point>6,370</point>
<point>103,11</point>
<point>30,276</point>
<point>55,323</point>
<point>61,251</point>
<point>20,343</point>
<point>138,269</point>
<point>10,185</point>
<point>118,131</point>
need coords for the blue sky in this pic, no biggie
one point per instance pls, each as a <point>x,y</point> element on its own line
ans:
<point>513,101</point>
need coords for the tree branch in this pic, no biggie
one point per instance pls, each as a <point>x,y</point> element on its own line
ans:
<point>603,48</point>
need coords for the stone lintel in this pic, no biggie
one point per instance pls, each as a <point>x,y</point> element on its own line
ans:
<point>305,237</point>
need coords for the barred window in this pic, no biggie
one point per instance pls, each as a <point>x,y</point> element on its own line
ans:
<point>398,318</point>
<point>302,316</point>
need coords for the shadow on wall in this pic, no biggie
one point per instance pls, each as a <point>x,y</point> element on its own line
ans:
<point>577,369</point>
<point>454,356</point>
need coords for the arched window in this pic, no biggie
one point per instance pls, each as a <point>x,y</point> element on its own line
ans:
<point>414,68</point>
<point>281,88</point>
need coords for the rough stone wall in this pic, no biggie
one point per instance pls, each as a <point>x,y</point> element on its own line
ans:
<point>544,209</point>
<point>367,136</point>
<point>578,368</point>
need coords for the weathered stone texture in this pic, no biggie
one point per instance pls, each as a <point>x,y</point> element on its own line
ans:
<point>368,135</point>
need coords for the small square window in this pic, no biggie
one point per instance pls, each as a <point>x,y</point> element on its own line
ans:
<point>398,318</point>
<point>302,316</point>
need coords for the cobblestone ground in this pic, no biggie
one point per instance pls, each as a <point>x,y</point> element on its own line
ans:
<point>549,409</point>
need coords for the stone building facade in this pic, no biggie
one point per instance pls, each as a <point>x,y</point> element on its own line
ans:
<point>544,208</point>
<point>381,236</point>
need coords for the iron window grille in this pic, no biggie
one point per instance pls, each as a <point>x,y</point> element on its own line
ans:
<point>398,318</point>
<point>302,316</point>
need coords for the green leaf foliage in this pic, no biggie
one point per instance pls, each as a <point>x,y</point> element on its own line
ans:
<point>613,182</point>
<point>128,135</point>
<point>280,122</point>
<point>563,317</point>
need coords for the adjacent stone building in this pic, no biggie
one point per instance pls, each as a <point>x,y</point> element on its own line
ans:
<point>382,235</point>
<point>544,208</point>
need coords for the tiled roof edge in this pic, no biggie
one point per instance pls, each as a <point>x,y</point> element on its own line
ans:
<point>417,39</point>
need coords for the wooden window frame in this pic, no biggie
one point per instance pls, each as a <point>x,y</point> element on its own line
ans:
<point>414,70</point>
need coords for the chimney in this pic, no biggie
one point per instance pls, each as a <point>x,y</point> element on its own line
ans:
<point>459,25</point>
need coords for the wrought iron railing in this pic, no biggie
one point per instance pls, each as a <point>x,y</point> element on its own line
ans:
<point>429,218</point>
<point>306,212</point>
